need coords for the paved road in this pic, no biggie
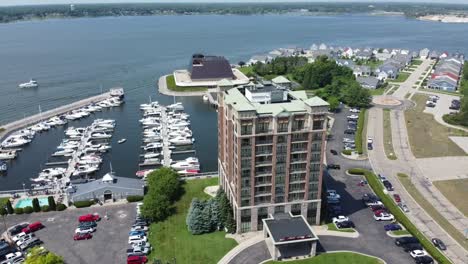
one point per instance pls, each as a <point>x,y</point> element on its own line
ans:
<point>407,86</point>
<point>406,163</point>
<point>254,254</point>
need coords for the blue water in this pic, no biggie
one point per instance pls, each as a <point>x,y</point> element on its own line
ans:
<point>73,58</point>
<point>22,203</point>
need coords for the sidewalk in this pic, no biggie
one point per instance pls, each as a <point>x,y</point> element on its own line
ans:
<point>244,242</point>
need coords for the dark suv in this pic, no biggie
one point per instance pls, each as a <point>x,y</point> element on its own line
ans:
<point>423,260</point>
<point>333,166</point>
<point>406,240</point>
<point>388,185</point>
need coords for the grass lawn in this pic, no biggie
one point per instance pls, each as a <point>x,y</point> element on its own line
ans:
<point>334,258</point>
<point>171,239</point>
<point>378,91</point>
<point>171,85</point>
<point>387,133</point>
<point>332,227</point>
<point>455,192</point>
<point>360,138</point>
<point>3,202</point>
<point>432,211</point>
<point>402,76</point>
<point>416,62</point>
<point>441,92</point>
<point>246,70</point>
<point>373,64</point>
<point>427,137</point>
<point>400,232</point>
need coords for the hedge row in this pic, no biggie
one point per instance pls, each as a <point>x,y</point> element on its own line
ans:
<point>81,204</point>
<point>356,171</point>
<point>360,127</point>
<point>377,186</point>
<point>346,151</point>
<point>134,198</point>
<point>61,207</point>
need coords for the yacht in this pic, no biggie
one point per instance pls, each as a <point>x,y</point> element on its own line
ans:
<point>39,127</point>
<point>3,166</point>
<point>64,152</point>
<point>95,161</point>
<point>85,169</point>
<point>14,141</point>
<point>7,155</point>
<point>143,173</point>
<point>151,155</point>
<point>176,107</point>
<point>152,105</point>
<point>117,92</point>
<point>31,84</point>
<point>27,132</point>
<point>152,161</point>
<point>72,131</point>
<point>152,139</point>
<point>100,135</point>
<point>72,116</point>
<point>184,165</point>
<point>121,141</point>
<point>52,172</point>
<point>181,140</point>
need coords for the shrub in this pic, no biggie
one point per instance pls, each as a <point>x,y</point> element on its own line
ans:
<point>19,211</point>
<point>3,211</point>
<point>61,207</point>
<point>346,152</point>
<point>134,198</point>
<point>81,204</point>
<point>45,208</point>
<point>28,210</point>
<point>35,205</point>
<point>360,127</point>
<point>356,171</point>
<point>52,205</point>
<point>9,207</point>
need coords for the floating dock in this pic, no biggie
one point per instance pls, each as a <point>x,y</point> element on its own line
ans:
<point>166,150</point>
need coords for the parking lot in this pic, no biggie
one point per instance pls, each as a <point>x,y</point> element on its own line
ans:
<point>373,239</point>
<point>108,244</point>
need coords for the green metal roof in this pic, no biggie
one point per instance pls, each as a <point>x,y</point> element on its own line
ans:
<point>316,101</point>
<point>280,79</point>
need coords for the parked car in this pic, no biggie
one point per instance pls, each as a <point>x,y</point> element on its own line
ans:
<point>11,257</point>
<point>424,260</point>
<point>85,230</point>
<point>24,238</point>
<point>18,236</point>
<point>137,238</point>
<point>136,233</point>
<point>384,217</point>
<point>82,236</point>
<point>348,140</point>
<point>371,200</point>
<point>136,250</point>
<point>340,218</point>
<point>137,259</point>
<point>380,211</point>
<point>29,244</point>
<point>17,229</point>
<point>418,253</point>
<point>354,110</point>
<point>349,132</point>
<point>388,185</point>
<point>397,198</point>
<point>333,194</point>
<point>89,218</point>
<point>139,228</point>
<point>333,166</point>
<point>87,224</point>
<point>352,117</point>
<point>406,240</point>
<point>33,227</point>
<point>334,152</point>
<point>412,246</point>
<point>345,224</point>
<point>375,208</point>
<point>403,207</point>
<point>438,243</point>
<point>142,244</point>
<point>392,227</point>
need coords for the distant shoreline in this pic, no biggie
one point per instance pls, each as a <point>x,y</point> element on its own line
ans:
<point>454,19</point>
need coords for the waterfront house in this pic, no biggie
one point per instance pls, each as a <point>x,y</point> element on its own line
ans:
<point>382,56</point>
<point>369,82</point>
<point>260,58</point>
<point>434,55</point>
<point>444,83</point>
<point>314,47</point>
<point>403,59</point>
<point>323,47</point>
<point>108,188</point>
<point>361,70</point>
<point>364,55</point>
<point>443,55</point>
<point>424,53</point>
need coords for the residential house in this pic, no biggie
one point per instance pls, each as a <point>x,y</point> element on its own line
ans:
<point>363,55</point>
<point>424,53</point>
<point>361,70</point>
<point>403,59</point>
<point>348,52</point>
<point>369,82</point>
<point>346,63</point>
<point>391,71</point>
<point>434,55</point>
<point>323,47</point>
<point>443,55</point>
<point>314,47</point>
<point>382,56</point>
<point>260,58</point>
<point>444,83</point>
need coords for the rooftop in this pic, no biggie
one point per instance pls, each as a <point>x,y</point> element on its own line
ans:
<point>210,67</point>
<point>283,228</point>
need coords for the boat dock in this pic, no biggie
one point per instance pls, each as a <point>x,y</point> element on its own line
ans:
<point>56,163</point>
<point>166,150</point>
<point>182,151</point>
<point>19,124</point>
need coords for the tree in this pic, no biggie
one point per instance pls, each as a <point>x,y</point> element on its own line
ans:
<point>9,207</point>
<point>3,211</point>
<point>36,206</point>
<point>52,205</point>
<point>241,63</point>
<point>195,217</point>
<point>334,103</point>
<point>36,256</point>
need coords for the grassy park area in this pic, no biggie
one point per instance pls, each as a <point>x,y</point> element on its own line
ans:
<point>402,76</point>
<point>432,211</point>
<point>171,239</point>
<point>332,227</point>
<point>335,258</point>
<point>455,192</point>
<point>247,70</point>
<point>171,85</point>
<point>387,133</point>
<point>427,137</point>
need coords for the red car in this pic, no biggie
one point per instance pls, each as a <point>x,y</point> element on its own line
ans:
<point>32,227</point>
<point>397,198</point>
<point>377,207</point>
<point>137,259</point>
<point>89,218</point>
<point>81,236</point>
<point>378,212</point>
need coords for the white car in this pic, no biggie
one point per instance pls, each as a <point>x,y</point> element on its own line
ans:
<point>348,140</point>
<point>418,253</point>
<point>339,219</point>
<point>139,228</point>
<point>25,238</point>
<point>18,236</point>
<point>137,239</point>
<point>12,257</point>
<point>354,110</point>
<point>384,217</point>
<point>333,194</point>
<point>352,117</point>
<point>142,244</point>
<point>85,230</point>
<point>370,140</point>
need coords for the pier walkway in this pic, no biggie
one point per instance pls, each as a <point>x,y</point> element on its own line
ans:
<point>165,137</point>
<point>19,124</point>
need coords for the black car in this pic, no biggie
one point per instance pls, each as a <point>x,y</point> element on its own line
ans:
<point>345,224</point>
<point>349,132</point>
<point>411,247</point>
<point>388,185</point>
<point>17,229</point>
<point>333,166</point>
<point>334,152</point>
<point>438,243</point>
<point>87,224</point>
<point>423,260</point>
<point>406,240</point>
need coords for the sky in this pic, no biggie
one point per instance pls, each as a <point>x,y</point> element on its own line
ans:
<point>29,2</point>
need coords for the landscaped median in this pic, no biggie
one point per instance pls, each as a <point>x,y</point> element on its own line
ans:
<point>387,133</point>
<point>378,188</point>
<point>335,258</point>
<point>333,227</point>
<point>359,141</point>
<point>171,85</point>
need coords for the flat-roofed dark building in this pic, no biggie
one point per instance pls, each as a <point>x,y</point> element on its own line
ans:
<point>210,68</point>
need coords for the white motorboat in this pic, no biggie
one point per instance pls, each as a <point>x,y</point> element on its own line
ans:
<point>176,107</point>
<point>192,160</point>
<point>174,134</point>
<point>64,152</point>
<point>152,139</point>
<point>7,155</point>
<point>41,179</point>
<point>31,84</point>
<point>75,131</point>
<point>39,127</point>
<point>104,104</point>
<point>181,140</point>
<point>104,148</point>
<point>100,135</point>
<point>143,173</point>
<point>121,140</point>
<point>151,155</point>
<point>90,157</point>
<point>95,161</point>
<point>184,165</point>
<point>114,101</point>
<point>14,141</point>
<point>117,92</point>
<point>205,98</point>
<point>151,105</point>
<point>72,116</point>
<point>85,169</point>
<point>27,132</point>
<point>151,134</point>
<point>152,113</point>
<point>179,124</point>
<point>52,172</point>
<point>3,166</point>
<point>67,146</point>
<point>56,121</point>
<point>153,161</point>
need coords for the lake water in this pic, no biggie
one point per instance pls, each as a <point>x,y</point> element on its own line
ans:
<point>73,58</point>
